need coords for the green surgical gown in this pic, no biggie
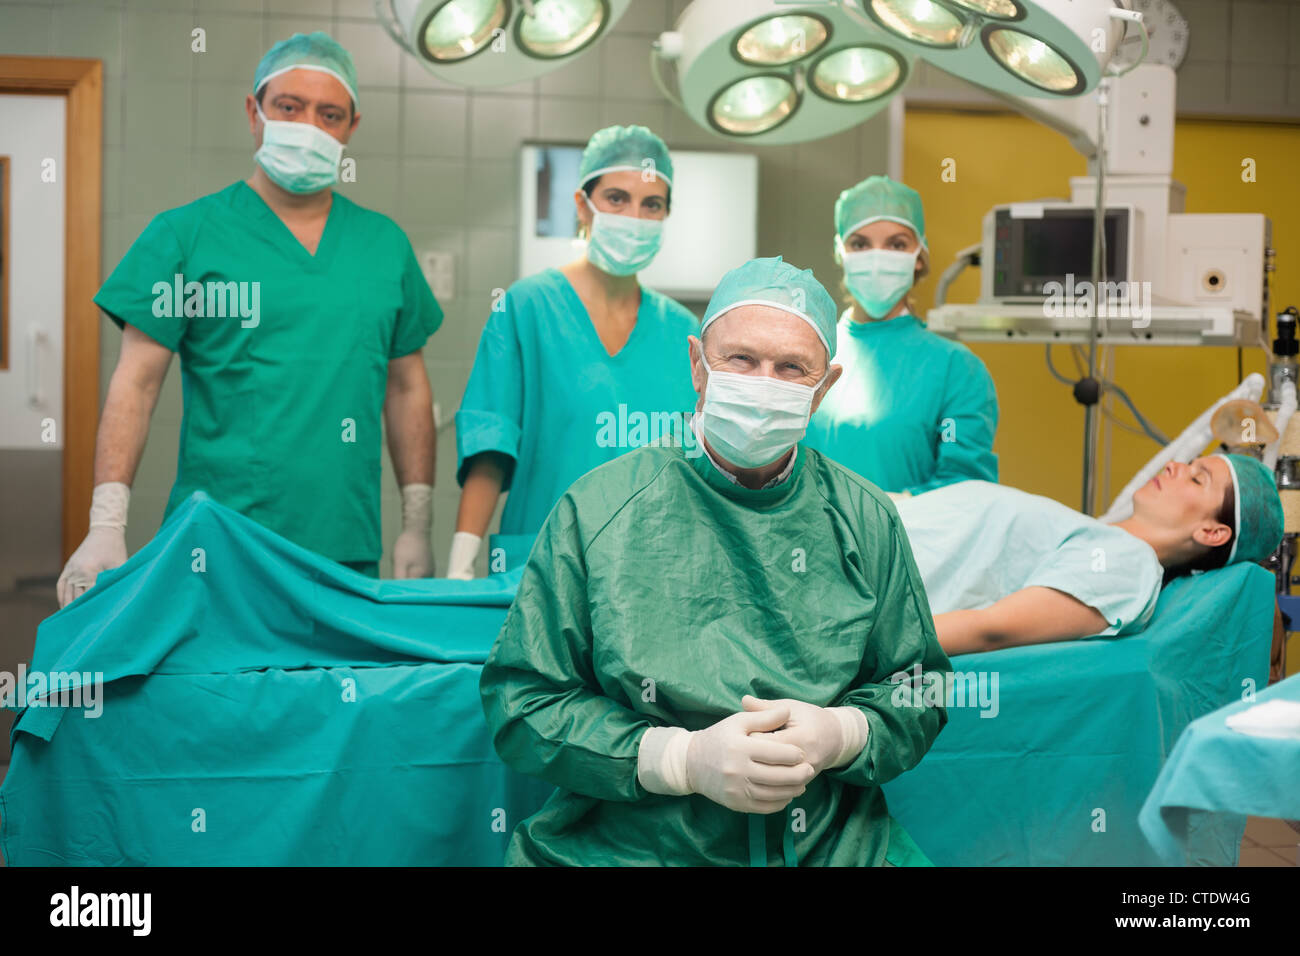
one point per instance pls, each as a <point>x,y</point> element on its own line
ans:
<point>912,411</point>
<point>545,392</point>
<point>658,594</point>
<point>284,371</point>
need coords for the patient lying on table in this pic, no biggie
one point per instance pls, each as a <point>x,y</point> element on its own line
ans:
<point>1003,567</point>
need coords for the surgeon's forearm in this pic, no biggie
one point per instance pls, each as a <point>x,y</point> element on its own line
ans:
<point>412,435</point>
<point>478,497</point>
<point>124,426</point>
<point>558,729</point>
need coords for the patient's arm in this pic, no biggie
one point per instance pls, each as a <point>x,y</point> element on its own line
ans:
<point>1031,616</point>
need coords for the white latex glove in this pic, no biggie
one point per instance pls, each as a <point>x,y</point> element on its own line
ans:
<point>829,736</point>
<point>735,763</point>
<point>105,544</point>
<point>412,552</point>
<point>898,495</point>
<point>464,549</point>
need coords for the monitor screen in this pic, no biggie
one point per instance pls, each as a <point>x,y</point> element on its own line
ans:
<point>1061,245</point>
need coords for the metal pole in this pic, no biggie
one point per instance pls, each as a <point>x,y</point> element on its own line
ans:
<point>1090,420</point>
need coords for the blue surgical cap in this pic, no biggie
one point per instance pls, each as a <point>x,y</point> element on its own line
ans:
<point>876,198</point>
<point>1258,510</point>
<point>625,147</point>
<point>776,283</point>
<point>308,51</point>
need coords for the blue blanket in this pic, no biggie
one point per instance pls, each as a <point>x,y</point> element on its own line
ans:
<point>1216,769</point>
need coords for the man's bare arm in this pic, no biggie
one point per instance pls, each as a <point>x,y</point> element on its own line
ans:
<point>123,428</point>
<point>132,395</point>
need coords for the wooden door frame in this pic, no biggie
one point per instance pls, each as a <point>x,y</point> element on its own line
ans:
<point>81,83</point>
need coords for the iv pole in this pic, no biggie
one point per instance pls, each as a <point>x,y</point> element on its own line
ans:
<point>1088,390</point>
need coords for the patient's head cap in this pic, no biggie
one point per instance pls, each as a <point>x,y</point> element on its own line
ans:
<point>1258,510</point>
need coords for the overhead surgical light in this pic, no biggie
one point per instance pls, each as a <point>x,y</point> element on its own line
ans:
<point>1003,9</point>
<point>779,40</point>
<point>496,42</point>
<point>1024,48</point>
<point>920,21</point>
<point>561,27</point>
<point>856,74</point>
<point>779,72</point>
<point>456,31</point>
<point>1032,60</point>
<point>754,105</point>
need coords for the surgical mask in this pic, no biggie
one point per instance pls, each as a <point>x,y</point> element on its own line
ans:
<point>878,278</point>
<point>299,157</point>
<point>622,245</point>
<point>752,420</point>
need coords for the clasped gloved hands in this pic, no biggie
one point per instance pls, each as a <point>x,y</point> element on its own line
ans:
<point>829,736</point>
<point>755,761</point>
<point>734,763</point>
<point>737,764</point>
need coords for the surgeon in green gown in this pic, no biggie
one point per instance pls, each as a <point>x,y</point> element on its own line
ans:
<point>711,656</point>
<point>298,317</point>
<point>913,411</point>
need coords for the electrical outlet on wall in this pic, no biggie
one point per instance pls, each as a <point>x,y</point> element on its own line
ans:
<point>440,272</point>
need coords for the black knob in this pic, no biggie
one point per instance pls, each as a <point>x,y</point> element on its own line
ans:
<point>1087,391</point>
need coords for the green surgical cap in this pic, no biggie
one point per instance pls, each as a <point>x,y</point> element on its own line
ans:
<point>308,51</point>
<point>876,198</point>
<point>625,147</point>
<point>776,283</point>
<point>1259,510</point>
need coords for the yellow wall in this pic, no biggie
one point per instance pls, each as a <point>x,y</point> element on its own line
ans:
<point>1005,158</point>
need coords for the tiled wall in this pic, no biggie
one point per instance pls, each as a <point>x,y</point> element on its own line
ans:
<point>441,160</point>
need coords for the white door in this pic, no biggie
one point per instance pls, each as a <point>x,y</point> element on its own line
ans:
<point>32,132</point>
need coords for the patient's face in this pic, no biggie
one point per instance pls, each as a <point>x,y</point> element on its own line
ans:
<point>1185,497</point>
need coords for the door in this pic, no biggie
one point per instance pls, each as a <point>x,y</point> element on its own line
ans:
<point>50,160</point>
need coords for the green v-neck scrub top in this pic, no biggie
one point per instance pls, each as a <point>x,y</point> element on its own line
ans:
<point>546,393</point>
<point>284,357</point>
<point>913,410</point>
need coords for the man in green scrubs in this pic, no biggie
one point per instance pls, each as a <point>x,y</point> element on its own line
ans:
<point>299,318</point>
<point>712,656</point>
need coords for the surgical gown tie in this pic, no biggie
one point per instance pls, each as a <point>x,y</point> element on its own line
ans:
<point>758,840</point>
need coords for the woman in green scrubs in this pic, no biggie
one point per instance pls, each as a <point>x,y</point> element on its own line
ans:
<point>580,364</point>
<point>913,411</point>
